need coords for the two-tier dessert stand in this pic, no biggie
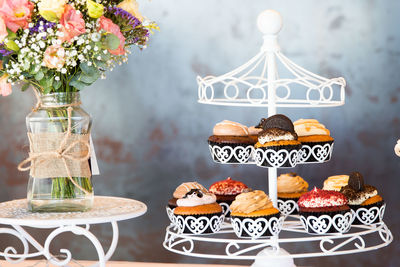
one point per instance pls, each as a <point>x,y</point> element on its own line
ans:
<point>257,84</point>
<point>105,210</point>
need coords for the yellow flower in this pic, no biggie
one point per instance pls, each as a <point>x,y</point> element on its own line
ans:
<point>95,9</point>
<point>51,10</point>
<point>132,7</point>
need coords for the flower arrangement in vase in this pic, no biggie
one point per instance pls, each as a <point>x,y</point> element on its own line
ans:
<point>59,47</point>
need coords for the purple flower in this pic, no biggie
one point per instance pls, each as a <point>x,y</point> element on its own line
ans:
<point>125,15</point>
<point>45,24</point>
<point>4,51</point>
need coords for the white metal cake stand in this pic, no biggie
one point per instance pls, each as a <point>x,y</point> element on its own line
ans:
<point>361,238</point>
<point>105,210</point>
<point>272,80</point>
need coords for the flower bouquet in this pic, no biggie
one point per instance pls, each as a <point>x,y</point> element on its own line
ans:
<point>59,47</point>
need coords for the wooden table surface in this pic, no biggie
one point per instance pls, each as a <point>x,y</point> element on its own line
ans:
<point>38,263</point>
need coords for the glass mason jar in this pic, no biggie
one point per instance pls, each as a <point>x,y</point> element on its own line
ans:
<point>59,194</point>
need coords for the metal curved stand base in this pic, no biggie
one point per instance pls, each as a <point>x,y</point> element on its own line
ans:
<point>11,255</point>
<point>105,210</point>
<point>355,241</point>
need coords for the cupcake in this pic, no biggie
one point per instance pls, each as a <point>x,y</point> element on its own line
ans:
<point>317,144</point>
<point>290,188</point>
<point>335,182</point>
<point>226,191</point>
<point>363,200</point>
<point>325,211</point>
<point>180,192</point>
<point>277,144</point>
<point>198,213</point>
<point>253,215</point>
<point>230,143</point>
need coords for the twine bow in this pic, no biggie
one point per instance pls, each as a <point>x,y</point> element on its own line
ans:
<point>63,151</point>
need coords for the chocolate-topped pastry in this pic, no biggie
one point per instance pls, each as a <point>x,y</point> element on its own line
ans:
<point>356,191</point>
<point>356,181</point>
<point>278,134</point>
<point>363,199</point>
<point>278,121</point>
<point>182,190</point>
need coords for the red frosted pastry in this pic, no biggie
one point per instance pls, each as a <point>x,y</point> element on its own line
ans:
<point>227,187</point>
<point>318,198</point>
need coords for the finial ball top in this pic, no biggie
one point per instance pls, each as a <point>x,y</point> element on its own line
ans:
<point>269,22</point>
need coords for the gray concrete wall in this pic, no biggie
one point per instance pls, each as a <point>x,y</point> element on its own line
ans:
<point>150,133</point>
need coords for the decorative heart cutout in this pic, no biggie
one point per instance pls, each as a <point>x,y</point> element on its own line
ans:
<point>342,222</point>
<point>321,153</point>
<point>276,158</point>
<point>304,153</point>
<point>293,157</point>
<point>382,211</point>
<point>287,207</point>
<point>222,154</point>
<point>216,223</point>
<point>272,158</point>
<point>193,224</point>
<point>171,215</point>
<point>319,225</point>
<point>256,228</point>
<point>198,225</point>
<point>369,216</point>
<point>275,225</point>
<point>225,154</point>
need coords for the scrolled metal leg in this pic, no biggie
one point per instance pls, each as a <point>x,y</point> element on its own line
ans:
<point>113,245</point>
<point>10,252</point>
<point>68,256</point>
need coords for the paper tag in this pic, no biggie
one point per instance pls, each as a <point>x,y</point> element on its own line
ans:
<point>93,160</point>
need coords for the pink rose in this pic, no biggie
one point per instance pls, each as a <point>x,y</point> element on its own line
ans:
<point>54,57</point>
<point>72,24</point>
<point>5,87</point>
<point>110,27</point>
<point>16,13</point>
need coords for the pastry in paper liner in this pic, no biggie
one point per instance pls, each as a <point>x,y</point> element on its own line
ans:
<point>368,214</point>
<point>311,152</point>
<point>257,226</point>
<point>283,156</point>
<point>230,152</point>
<point>319,222</point>
<point>199,223</point>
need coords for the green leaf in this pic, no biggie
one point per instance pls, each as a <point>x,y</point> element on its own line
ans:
<point>25,87</point>
<point>77,84</point>
<point>39,76</point>
<point>34,69</point>
<point>57,84</point>
<point>47,90</point>
<point>89,79</point>
<point>47,83</point>
<point>11,35</point>
<point>88,70</point>
<point>10,44</point>
<point>111,41</point>
<point>100,64</point>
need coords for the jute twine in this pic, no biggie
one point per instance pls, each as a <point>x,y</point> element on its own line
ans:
<point>63,152</point>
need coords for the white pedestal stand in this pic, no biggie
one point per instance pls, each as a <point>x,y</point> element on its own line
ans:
<point>105,210</point>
